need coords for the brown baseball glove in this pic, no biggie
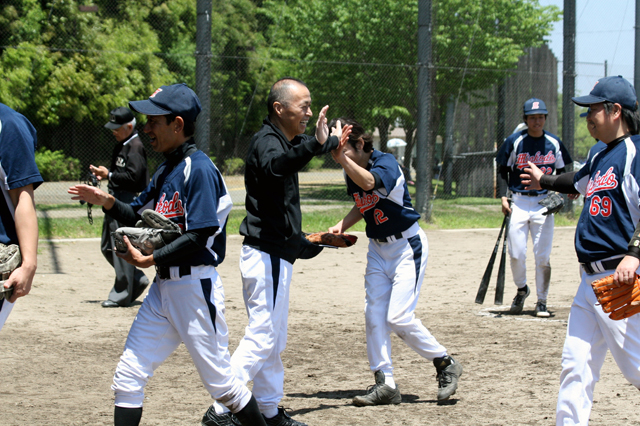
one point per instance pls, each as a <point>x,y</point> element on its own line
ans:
<point>619,302</point>
<point>331,239</point>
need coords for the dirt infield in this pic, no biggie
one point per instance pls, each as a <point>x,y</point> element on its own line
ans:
<point>59,348</point>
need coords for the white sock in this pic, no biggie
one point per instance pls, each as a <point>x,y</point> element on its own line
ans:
<point>388,380</point>
<point>220,409</point>
<point>271,412</point>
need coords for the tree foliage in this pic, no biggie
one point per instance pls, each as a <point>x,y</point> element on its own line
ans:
<point>476,44</point>
<point>61,66</point>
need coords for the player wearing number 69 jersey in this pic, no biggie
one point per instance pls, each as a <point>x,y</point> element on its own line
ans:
<point>547,152</point>
<point>605,242</point>
<point>396,264</point>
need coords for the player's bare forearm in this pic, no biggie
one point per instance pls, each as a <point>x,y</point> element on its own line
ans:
<point>349,220</point>
<point>359,175</point>
<point>26,223</point>
<point>506,206</point>
<point>92,195</point>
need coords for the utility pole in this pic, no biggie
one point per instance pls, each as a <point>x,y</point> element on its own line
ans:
<point>569,74</point>
<point>203,73</point>
<point>423,178</point>
<point>636,68</point>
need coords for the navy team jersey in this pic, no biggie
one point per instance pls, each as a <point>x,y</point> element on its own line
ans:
<point>17,165</point>
<point>194,196</point>
<point>546,152</point>
<point>610,183</point>
<point>386,210</point>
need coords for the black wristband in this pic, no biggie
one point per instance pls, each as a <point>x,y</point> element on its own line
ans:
<point>634,251</point>
<point>634,244</point>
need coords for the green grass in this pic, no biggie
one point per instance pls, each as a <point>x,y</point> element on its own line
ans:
<point>455,213</point>
<point>69,228</point>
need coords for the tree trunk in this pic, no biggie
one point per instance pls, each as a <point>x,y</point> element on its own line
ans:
<point>409,130</point>
<point>383,129</point>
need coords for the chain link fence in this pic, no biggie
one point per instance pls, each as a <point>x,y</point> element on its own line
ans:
<point>65,64</point>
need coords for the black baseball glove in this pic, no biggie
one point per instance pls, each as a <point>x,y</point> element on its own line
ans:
<point>554,203</point>
<point>152,232</point>
<point>10,259</point>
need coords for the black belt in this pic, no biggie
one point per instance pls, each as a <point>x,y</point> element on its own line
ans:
<point>607,265</point>
<point>397,236</point>
<point>164,272</point>
<point>529,194</point>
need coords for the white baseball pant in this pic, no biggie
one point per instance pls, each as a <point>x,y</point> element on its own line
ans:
<point>394,274</point>
<point>527,218</point>
<point>187,309</point>
<point>590,333</point>
<point>5,310</point>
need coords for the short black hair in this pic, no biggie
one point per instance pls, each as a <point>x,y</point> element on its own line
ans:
<point>524,117</point>
<point>189,126</point>
<point>280,92</point>
<point>357,133</point>
<point>631,118</point>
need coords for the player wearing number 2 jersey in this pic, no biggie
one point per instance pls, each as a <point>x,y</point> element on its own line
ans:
<point>610,182</point>
<point>396,263</point>
<point>546,151</point>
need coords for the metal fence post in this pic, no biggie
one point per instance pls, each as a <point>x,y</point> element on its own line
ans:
<point>423,178</point>
<point>203,73</point>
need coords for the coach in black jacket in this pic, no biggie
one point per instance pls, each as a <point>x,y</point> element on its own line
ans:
<point>273,240</point>
<point>128,175</point>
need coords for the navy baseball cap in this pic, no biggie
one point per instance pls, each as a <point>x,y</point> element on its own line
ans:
<point>610,89</point>
<point>534,106</point>
<point>119,117</point>
<point>177,99</point>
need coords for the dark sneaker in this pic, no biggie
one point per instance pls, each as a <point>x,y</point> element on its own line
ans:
<point>109,304</point>
<point>518,301</point>
<point>449,371</point>
<point>378,394</point>
<point>283,419</point>
<point>212,419</point>
<point>541,309</point>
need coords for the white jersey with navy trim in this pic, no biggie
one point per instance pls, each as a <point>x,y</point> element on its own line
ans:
<point>386,210</point>
<point>546,152</point>
<point>182,194</point>
<point>609,216</point>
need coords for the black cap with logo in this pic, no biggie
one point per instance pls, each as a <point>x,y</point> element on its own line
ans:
<point>119,117</point>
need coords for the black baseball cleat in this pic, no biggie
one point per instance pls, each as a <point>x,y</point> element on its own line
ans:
<point>541,309</point>
<point>109,304</point>
<point>378,394</point>
<point>449,371</point>
<point>283,419</point>
<point>211,418</point>
<point>518,302</point>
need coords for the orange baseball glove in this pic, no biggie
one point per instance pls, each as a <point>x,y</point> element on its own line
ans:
<point>619,302</point>
<point>332,240</point>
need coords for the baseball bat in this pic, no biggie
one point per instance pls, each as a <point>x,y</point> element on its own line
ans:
<point>501,268</point>
<point>484,284</point>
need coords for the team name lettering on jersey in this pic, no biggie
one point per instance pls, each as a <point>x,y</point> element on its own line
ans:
<point>602,183</point>
<point>171,208</point>
<point>537,159</point>
<point>365,203</point>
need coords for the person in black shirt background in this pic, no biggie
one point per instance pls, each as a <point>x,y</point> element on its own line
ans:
<point>127,175</point>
